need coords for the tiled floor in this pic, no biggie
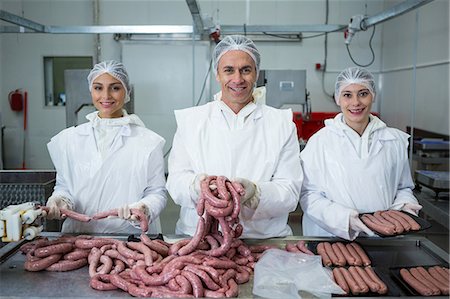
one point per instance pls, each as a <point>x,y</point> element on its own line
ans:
<point>437,234</point>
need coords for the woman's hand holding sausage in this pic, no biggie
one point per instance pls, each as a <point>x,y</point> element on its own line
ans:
<point>358,226</point>
<point>55,204</point>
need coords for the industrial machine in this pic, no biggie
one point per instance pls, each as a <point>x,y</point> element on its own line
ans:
<point>21,221</point>
<point>285,89</point>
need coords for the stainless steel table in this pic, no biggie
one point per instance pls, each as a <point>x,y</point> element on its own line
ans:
<point>385,253</point>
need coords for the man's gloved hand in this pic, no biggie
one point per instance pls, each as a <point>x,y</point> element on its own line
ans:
<point>124,211</point>
<point>195,187</point>
<point>411,208</point>
<point>55,204</point>
<point>358,226</point>
<point>252,194</point>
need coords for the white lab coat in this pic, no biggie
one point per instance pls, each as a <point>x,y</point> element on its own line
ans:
<point>132,170</point>
<point>261,146</point>
<point>344,172</point>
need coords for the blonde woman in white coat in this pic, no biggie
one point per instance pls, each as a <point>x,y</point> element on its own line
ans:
<point>110,162</point>
<point>238,137</point>
<point>355,164</point>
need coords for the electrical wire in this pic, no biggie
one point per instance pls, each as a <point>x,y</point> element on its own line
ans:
<point>199,98</point>
<point>371,50</point>
<point>326,53</point>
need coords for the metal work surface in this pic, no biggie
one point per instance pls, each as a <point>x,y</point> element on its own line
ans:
<point>385,253</point>
<point>433,179</point>
<point>437,207</point>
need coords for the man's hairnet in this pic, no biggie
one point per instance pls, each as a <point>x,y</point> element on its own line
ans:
<point>354,75</point>
<point>115,69</point>
<point>236,42</point>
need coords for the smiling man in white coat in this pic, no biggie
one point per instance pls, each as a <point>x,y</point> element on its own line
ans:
<point>238,137</point>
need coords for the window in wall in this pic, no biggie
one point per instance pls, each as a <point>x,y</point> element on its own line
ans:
<point>54,68</point>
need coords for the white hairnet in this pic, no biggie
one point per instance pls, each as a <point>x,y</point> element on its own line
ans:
<point>115,69</point>
<point>236,42</point>
<point>354,75</point>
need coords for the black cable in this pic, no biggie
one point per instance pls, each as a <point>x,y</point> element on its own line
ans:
<point>371,50</point>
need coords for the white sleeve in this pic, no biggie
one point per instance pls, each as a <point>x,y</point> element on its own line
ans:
<point>58,154</point>
<point>330,216</point>
<point>155,196</point>
<point>404,189</point>
<point>181,173</point>
<point>281,194</point>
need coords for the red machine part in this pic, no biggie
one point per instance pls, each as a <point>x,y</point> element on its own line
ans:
<point>306,127</point>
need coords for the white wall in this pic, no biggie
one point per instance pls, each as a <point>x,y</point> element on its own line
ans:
<point>21,57</point>
<point>431,86</point>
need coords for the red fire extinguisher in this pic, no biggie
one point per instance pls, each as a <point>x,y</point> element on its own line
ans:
<point>16,100</point>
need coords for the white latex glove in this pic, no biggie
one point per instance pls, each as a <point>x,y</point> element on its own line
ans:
<point>252,193</point>
<point>124,211</point>
<point>195,187</point>
<point>358,226</point>
<point>411,208</point>
<point>55,204</point>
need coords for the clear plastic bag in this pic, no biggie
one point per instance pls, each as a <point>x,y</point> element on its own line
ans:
<point>282,274</point>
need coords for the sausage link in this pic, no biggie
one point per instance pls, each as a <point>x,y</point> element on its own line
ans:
<point>373,286</point>
<point>383,287</point>
<point>362,254</point>
<point>207,280</point>
<point>303,248</point>
<point>354,255</point>
<point>359,280</point>
<point>67,265</point>
<point>443,283</point>
<point>341,260</point>
<point>196,283</point>
<point>349,258</point>
<point>41,264</point>
<point>193,243</point>
<point>416,273</point>
<point>233,289</point>
<point>414,283</point>
<point>101,282</point>
<point>76,254</point>
<point>377,226</point>
<point>142,248</point>
<point>160,248</point>
<point>76,216</point>
<point>340,280</point>
<point>401,215</point>
<point>353,285</point>
<point>384,221</point>
<point>330,252</point>
<point>325,258</point>
<point>443,288</point>
<point>53,249</point>
<point>399,228</point>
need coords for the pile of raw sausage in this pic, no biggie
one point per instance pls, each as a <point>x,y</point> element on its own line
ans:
<point>358,278</point>
<point>427,282</point>
<point>390,222</point>
<point>210,264</point>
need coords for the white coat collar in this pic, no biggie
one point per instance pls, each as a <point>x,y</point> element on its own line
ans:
<point>253,107</point>
<point>338,126</point>
<point>124,122</point>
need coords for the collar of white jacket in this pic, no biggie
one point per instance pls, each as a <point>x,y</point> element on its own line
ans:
<point>126,119</point>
